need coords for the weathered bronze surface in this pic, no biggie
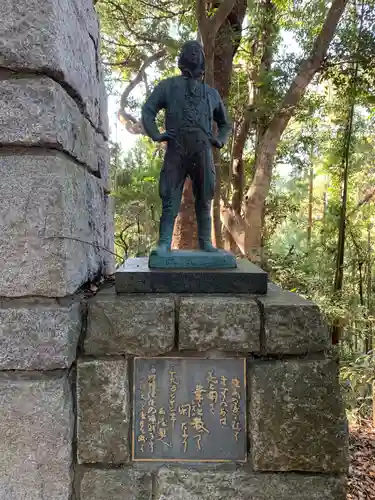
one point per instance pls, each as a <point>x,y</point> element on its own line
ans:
<point>192,259</point>
<point>191,110</point>
<point>189,410</point>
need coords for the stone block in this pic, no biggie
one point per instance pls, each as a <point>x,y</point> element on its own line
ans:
<point>103,162</point>
<point>58,38</point>
<point>104,411</point>
<point>292,325</point>
<point>87,18</point>
<point>51,224</point>
<point>135,276</point>
<point>103,98</point>
<point>177,484</point>
<point>142,325</point>
<point>37,111</point>
<point>227,323</point>
<point>37,336</point>
<point>118,484</point>
<point>36,428</point>
<point>109,231</point>
<point>297,421</point>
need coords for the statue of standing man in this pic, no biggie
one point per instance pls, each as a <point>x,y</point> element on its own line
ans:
<point>191,108</point>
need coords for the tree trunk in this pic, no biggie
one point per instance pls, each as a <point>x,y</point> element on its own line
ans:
<point>216,33</point>
<point>227,41</point>
<point>311,198</point>
<point>185,234</point>
<point>325,204</point>
<point>369,287</point>
<point>258,191</point>
<point>253,116</point>
<point>238,170</point>
<point>339,275</point>
<point>229,243</point>
<point>216,220</point>
<point>209,53</point>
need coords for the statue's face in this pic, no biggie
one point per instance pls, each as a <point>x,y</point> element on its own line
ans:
<point>192,59</point>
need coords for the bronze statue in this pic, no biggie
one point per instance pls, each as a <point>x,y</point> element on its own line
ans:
<point>191,108</point>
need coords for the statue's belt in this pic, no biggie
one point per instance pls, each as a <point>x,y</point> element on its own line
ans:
<point>197,128</point>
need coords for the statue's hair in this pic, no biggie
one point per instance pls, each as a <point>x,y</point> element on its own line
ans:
<point>192,61</point>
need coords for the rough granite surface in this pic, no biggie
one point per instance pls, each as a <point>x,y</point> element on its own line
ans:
<point>141,325</point>
<point>120,484</point>
<point>177,484</point>
<point>58,38</point>
<point>297,420</point>
<point>36,429</point>
<point>51,225</point>
<point>37,111</point>
<point>109,231</point>
<point>228,323</point>
<point>35,336</point>
<point>292,325</point>
<point>104,409</point>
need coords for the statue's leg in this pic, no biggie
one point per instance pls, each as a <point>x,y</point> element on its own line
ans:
<point>203,177</point>
<point>203,214</point>
<point>170,207</point>
<point>172,178</point>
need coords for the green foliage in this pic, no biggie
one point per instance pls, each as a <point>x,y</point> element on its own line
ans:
<point>308,267</point>
<point>357,376</point>
<point>133,30</point>
<point>137,204</point>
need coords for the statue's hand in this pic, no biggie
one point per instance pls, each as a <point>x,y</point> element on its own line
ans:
<point>166,137</point>
<point>217,143</point>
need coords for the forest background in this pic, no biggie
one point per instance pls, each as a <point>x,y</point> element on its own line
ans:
<point>295,186</point>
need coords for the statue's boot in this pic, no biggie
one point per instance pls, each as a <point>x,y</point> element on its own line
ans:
<point>165,234</point>
<point>204,229</point>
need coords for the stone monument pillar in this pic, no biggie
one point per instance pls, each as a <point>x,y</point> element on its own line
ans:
<point>54,215</point>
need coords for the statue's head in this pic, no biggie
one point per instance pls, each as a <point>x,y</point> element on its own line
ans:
<point>191,61</point>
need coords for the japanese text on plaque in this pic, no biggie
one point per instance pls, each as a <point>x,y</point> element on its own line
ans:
<point>189,409</point>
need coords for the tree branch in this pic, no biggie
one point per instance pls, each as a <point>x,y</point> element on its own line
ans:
<point>220,15</point>
<point>209,26</point>
<point>200,9</point>
<point>163,8</point>
<point>235,225</point>
<point>309,66</point>
<point>117,44</point>
<point>125,63</point>
<point>145,83</point>
<point>270,140</point>
<point>133,125</point>
<point>137,35</point>
<point>369,195</point>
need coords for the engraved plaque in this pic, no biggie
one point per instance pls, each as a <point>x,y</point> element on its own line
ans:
<point>189,410</point>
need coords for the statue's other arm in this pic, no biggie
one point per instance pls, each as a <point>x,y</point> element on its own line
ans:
<point>151,108</point>
<point>221,118</point>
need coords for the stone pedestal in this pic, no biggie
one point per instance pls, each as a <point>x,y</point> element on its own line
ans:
<point>296,425</point>
<point>135,276</point>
